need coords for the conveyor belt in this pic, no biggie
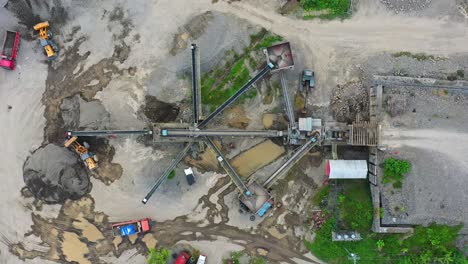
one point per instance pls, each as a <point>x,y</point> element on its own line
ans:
<point>288,102</point>
<point>228,168</point>
<point>94,133</point>
<point>166,173</point>
<point>236,95</point>
<point>212,133</point>
<point>195,99</point>
<point>291,161</point>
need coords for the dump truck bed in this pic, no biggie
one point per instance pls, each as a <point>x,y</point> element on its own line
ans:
<point>9,44</point>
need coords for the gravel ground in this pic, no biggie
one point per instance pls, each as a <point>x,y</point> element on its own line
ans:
<point>431,134</point>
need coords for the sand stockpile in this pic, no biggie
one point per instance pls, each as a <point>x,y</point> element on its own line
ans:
<point>54,174</point>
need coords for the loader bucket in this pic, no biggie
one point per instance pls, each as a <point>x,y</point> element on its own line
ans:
<point>41,25</point>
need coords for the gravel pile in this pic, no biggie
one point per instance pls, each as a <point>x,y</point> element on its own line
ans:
<point>348,101</point>
<point>406,6</point>
<point>53,174</point>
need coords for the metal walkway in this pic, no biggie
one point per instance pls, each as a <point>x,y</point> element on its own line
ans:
<point>196,96</point>
<point>228,168</point>
<point>236,95</point>
<point>222,133</point>
<point>291,161</point>
<point>168,171</point>
<point>93,133</point>
<point>288,102</point>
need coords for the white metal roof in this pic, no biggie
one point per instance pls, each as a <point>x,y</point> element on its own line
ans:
<point>347,169</point>
<point>188,171</point>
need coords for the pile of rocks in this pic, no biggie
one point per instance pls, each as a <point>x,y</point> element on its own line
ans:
<point>54,174</point>
<point>348,101</point>
<point>406,6</point>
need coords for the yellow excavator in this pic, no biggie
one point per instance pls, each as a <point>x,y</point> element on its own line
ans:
<point>45,37</point>
<point>89,159</point>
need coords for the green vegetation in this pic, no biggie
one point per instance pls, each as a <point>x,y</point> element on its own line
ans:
<point>325,9</point>
<point>224,81</point>
<point>321,196</point>
<point>459,74</point>
<point>268,41</point>
<point>356,206</point>
<point>171,175</point>
<point>236,255</point>
<point>418,56</point>
<point>394,169</point>
<point>432,244</point>
<point>157,256</point>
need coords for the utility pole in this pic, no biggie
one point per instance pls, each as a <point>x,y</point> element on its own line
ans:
<point>353,257</point>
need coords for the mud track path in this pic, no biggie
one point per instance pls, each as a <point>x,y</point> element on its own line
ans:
<point>170,232</point>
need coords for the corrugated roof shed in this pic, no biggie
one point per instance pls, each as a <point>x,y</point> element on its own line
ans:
<point>346,169</point>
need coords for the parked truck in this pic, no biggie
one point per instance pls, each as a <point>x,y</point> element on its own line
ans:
<point>10,50</point>
<point>131,227</point>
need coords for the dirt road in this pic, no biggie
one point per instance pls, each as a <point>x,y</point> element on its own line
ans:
<point>335,47</point>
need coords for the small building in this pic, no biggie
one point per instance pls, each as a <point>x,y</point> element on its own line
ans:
<point>346,169</point>
<point>308,124</point>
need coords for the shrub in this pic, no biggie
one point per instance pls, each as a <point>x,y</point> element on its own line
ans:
<point>334,8</point>
<point>171,175</point>
<point>157,256</point>
<point>394,169</point>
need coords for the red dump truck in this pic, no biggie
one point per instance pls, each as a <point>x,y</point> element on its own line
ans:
<point>10,50</point>
<point>131,227</point>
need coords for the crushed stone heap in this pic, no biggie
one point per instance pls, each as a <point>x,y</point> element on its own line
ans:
<point>54,174</point>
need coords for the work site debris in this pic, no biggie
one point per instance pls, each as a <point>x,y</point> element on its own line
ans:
<point>348,101</point>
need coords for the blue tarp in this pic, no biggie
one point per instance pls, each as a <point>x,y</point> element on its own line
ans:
<point>264,209</point>
<point>127,230</point>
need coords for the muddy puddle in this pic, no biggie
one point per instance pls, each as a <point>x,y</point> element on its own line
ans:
<point>74,249</point>
<point>237,117</point>
<point>257,157</point>
<point>205,161</point>
<point>150,241</point>
<point>268,120</point>
<point>77,235</point>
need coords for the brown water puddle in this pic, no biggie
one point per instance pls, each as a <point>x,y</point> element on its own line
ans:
<point>267,120</point>
<point>90,231</point>
<point>206,161</point>
<point>150,240</point>
<point>257,157</point>
<point>74,249</point>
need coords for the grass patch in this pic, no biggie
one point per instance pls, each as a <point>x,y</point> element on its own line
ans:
<point>321,197</point>
<point>418,56</point>
<point>325,9</point>
<point>355,206</point>
<point>432,244</point>
<point>268,41</point>
<point>224,81</point>
<point>394,170</point>
<point>171,175</point>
